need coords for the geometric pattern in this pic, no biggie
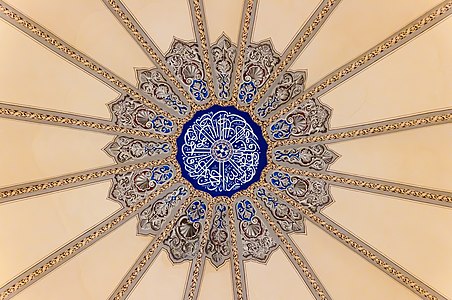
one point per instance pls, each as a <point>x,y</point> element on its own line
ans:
<point>221,152</point>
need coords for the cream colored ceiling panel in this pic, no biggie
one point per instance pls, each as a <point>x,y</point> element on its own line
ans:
<point>354,27</point>
<point>39,225</point>
<point>163,20</point>
<point>216,283</point>
<point>281,20</point>
<point>91,28</point>
<point>400,229</point>
<point>420,156</point>
<point>223,17</point>
<point>345,274</point>
<point>416,78</point>
<point>94,273</point>
<point>163,280</point>
<point>33,76</point>
<point>37,151</point>
<point>265,281</point>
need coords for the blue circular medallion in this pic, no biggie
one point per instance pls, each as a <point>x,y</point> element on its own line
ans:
<point>221,151</point>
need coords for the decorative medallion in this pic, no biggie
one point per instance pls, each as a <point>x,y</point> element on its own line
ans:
<point>217,183</point>
<point>221,151</point>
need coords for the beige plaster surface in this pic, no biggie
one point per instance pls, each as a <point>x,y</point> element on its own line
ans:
<point>90,27</point>
<point>277,279</point>
<point>412,234</point>
<point>420,157</point>
<point>216,282</point>
<point>93,274</point>
<point>354,27</point>
<point>163,20</point>
<point>223,17</point>
<point>43,223</point>
<point>163,280</point>
<point>38,151</point>
<point>280,20</point>
<point>345,274</point>
<point>414,79</point>
<point>33,76</point>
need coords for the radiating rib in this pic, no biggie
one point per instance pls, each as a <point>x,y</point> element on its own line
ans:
<point>295,256</point>
<point>363,249</point>
<point>12,193</point>
<point>125,17</point>
<point>197,266</point>
<point>74,56</point>
<point>246,28</point>
<point>144,261</point>
<point>198,17</point>
<point>415,193</point>
<point>237,267</point>
<point>18,112</point>
<point>371,56</point>
<point>74,247</point>
<point>299,43</point>
<point>372,129</point>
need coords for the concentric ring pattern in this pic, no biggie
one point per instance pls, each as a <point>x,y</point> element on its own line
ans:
<point>227,153</point>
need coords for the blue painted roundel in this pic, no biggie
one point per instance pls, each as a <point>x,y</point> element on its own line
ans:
<point>221,151</point>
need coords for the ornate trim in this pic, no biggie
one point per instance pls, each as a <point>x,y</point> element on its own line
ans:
<point>184,60</point>
<point>218,247</point>
<point>125,17</point>
<point>152,218</point>
<point>35,188</point>
<point>144,261</point>
<point>81,60</point>
<point>72,248</point>
<point>316,157</point>
<point>290,85</point>
<point>153,83</point>
<point>237,268</point>
<point>223,57</point>
<point>248,16</point>
<point>202,39</point>
<point>184,240</point>
<point>288,219</point>
<point>124,149</point>
<point>371,56</point>
<point>299,43</point>
<point>405,191</point>
<point>296,257</point>
<point>132,187</point>
<point>308,118</point>
<point>366,251</point>
<point>372,129</point>
<point>260,61</point>
<point>49,117</point>
<point>311,193</point>
<point>197,266</point>
<point>132,113</point>
<point>257,242</point>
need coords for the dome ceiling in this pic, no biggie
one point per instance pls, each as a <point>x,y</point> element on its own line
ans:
<point>225,150</point>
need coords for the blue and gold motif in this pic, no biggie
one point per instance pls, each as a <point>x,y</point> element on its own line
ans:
<point>221,151</point>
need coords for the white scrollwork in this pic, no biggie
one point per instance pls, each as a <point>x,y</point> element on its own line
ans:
<point>220,152</point>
